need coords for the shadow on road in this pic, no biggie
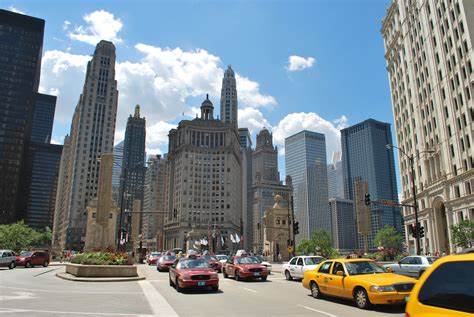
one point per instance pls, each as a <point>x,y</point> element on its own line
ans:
<point>200,292</point>
<point>387,309</point>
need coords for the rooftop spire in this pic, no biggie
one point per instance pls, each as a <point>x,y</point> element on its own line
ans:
<point>137,111</point>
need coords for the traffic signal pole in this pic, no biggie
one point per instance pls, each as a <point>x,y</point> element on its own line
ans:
<point>415,205</point>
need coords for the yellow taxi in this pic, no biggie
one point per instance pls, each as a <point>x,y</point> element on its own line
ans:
<point>445,289</point>
<point>362,280</point>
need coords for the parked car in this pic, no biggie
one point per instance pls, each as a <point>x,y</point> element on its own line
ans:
<point>165,262</point>
<point>213,261</point>
<point>295,268</point>
<point>222,258</point>
<point>32,258</point>
<point>7,258</point>
<point>445,289</point>
<point>265,263</point>
<point>243,267</point>
<point>413,265</point>
<point>362,280</point>
<point>193,272</point>
<point>153,257</point>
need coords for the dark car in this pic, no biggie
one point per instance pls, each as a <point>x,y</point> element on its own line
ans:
<point>245,267</point>
<point>213,261</point>
<point>164,263</point>
<point>193,272</point>
<point>32,258</point>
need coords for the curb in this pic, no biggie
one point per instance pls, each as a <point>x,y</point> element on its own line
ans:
<point>70,277</point>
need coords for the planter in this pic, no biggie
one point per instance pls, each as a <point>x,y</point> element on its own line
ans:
<point>82,270</point>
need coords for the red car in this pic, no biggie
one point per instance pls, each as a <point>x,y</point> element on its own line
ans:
<point>245,267</point>
<point>152,258</point>
<point>193,272</point>
<point>32,258</point>
<point>214,262</point>
<point>164,263</point>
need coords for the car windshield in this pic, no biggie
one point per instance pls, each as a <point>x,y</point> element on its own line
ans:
<point>221,257</point>
<point>363,267</point>
<point>169,258</point>
<point>259,258</point>
<point>193,264</point>
<point>155,253</point>
<point>312,260</point>
<point>210,257</point>
<point>431,259</point>
<point>247,260</point>
<point>26,253</point>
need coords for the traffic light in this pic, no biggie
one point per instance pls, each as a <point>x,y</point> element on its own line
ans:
<point>421,232</point>
<point>367,199</point>
<point>296,228</point>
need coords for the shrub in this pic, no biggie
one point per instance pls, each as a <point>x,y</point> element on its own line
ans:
<point>102,258</point>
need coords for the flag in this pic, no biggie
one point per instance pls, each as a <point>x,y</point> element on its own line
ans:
<point>222,240</point>
<point>232,238</point>
<point>237,238</point>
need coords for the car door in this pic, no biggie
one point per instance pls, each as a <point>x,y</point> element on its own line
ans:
<point>415,266</point>
<point>404,266</point>
<point>335,283</point>
<point>322,276</point>
<point>292,266</point>
<point>299,268</point>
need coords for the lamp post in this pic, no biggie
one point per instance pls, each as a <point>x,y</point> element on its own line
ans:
<point>411,160</point>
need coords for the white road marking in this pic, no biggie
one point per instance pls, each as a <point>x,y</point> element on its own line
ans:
<point>18,295</point>
<point>249,289</point>
<point>157,302</point>
<point>317,311</point>
<point>68,291</point>
<point>15,310</point>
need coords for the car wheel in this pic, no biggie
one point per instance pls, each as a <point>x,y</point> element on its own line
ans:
<point>264,278</point>
<point>28,264</point>
<point>46,263</point>
<point>225,274</point>
<point>420,273</point>
<point>315,292</point>
<point>178,288</point>
<point>12,265</point>
<point>237,276</point>
<point>215,288</point>
<point>361,298</point>
<point>288,275</point>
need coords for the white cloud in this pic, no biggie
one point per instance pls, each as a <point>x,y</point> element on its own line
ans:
<point>252,119</point>
<point>13,9</point>
<point>157,137</point>
<point>297,63</point>
<point>248,92</point>
<point>296,122</point>
<point>101,25</point>
<point>66,25</point>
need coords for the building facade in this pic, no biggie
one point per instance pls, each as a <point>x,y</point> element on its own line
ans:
<point>305,162</point>
<point>365,157</point>
<point>117,169</point>
<point>229,106</point>
<point>343,222</point>
<point>43,117</point>
<point>335,179</point>
<point>428,49</point>
<point>91,135</point>
<point>205,182</point>
<point>21,44</point>
<point>247,194</point>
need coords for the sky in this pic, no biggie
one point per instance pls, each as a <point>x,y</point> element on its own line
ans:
<point>317,65</point>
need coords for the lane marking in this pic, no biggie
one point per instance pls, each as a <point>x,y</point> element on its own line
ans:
<point>18,295</point>
<point>46,272</point>
<point>157,302</point>
<point>15,310</point>
<point>249,289</point>
<point>67,291</point>
<point>317,311</point>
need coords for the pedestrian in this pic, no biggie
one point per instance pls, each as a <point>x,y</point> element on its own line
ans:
<point>279,257</point>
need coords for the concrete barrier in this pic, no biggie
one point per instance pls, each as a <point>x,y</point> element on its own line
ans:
<point>83,270</point>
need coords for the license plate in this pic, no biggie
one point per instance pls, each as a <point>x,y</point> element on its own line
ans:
<point>201,283</point>
<point>256,274</point>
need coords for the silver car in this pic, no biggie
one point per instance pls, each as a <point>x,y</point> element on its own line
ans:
<point>7,258</point>
<point>295,268</point>
<point>413,265</point>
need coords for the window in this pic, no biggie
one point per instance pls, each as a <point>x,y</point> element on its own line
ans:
<point>415,260</point>
<point>337,267</point>
<point>300,262</point>
<point>406,260</point>
<point>443,286</point>
<point>324,268</point>
<point>293,261</point>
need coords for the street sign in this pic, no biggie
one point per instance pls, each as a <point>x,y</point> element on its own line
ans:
<point>364,225</point>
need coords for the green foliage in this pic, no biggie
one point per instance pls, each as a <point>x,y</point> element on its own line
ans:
<point>463,234</point>
<point>18,236</point>
<point>390,241</point>
<point>319,244</point>
<point>101,258</point>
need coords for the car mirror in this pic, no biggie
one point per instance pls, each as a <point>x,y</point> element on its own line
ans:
<point>340,273</point>
<point>389,270</point>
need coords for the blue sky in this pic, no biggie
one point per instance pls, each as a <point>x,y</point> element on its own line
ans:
<point>183,46</point>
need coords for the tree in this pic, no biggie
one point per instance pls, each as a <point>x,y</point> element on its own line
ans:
<point>320,243</point>
<point>463,234</point>
<point>305,247</point>
<point>390,241</point>
<point>18,237</point>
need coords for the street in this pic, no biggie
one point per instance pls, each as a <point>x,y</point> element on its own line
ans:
<point>38,292</point>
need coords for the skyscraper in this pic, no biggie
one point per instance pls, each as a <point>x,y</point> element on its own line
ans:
<point>43,116</point>
<point>21,44</point>
<point>92,134</point>
<point>428,49</point>
<point>133,162</point>
<point>343,222</point>
<point>335,183</point>
<point>229,107</point>
<point>364,156</point>
<point>265,184</point>
<point>305,162</point>
<point>117,171</point>
<point>205,182</point>
<point>247,194</point>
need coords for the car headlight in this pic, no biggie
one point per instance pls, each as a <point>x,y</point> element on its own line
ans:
<point>186,277</point>
<point>214,276</point>
<point>388,288</point>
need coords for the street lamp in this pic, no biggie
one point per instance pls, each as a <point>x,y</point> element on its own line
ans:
<point>411,159</point>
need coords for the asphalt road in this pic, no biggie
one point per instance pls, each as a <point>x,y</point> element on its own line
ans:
<point>38,292</point>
